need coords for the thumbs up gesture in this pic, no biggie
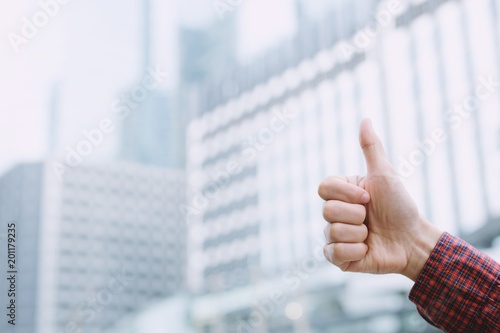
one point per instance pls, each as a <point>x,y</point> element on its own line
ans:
<point>374,226</point>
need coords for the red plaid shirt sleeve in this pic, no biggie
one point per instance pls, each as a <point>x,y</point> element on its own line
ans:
<point>458,289</point>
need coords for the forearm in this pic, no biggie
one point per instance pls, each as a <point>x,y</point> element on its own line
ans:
<point>420,247</point>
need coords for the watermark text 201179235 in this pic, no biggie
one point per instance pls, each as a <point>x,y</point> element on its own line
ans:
<point>11,273</point>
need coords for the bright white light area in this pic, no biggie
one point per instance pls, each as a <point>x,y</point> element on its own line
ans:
<point>294,311</point>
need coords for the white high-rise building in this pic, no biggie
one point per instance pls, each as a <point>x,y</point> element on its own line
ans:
<point>101,244</point>
<point>426,72</point>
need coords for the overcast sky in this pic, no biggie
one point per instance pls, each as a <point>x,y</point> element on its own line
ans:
<point>93,49</point>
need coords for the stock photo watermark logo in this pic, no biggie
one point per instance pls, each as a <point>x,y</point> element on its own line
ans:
<point>291,280</point>
<point>365,37</point>
<point>94,138</point>
<point>221,7</point>
<point>40,19</point>
<point>248,152</point>
<point>88,310</point>
<point>454,119</point>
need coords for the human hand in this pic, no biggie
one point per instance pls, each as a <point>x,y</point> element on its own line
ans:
<point>373,224</point>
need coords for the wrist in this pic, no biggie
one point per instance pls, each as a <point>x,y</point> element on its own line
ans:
<point>420,248</point>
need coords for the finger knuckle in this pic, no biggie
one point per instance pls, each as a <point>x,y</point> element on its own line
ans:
<point>326,253</point>
<point>337,232</point>
<point>364,231</point>
<point>362,212</point>
<point>339,251</point>
<point>322,188</point>
<point>330,211</point>
<point>326,231</point>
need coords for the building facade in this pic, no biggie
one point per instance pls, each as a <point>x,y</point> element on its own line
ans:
<point>100,245</point>
<point>20,204</point>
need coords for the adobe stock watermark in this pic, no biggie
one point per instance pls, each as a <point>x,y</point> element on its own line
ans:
<point>292,280</point>
<point>30,28</point>
<point>87,311</point>
<point>121,108</point>
<point>248,152</point>
<point>454,118</point>
<point>364,38</point>
<point>221,7</point>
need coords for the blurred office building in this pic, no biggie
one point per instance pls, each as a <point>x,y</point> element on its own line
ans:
<point>204,53</point>
<point>153,133</point>
<point>426,72</point>
<point>205,50</point>
<point>103,243</point>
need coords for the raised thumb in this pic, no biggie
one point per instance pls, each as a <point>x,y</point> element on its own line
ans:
<point>375,156</point>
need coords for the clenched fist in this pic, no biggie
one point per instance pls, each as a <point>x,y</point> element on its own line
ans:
<point>373,224</point>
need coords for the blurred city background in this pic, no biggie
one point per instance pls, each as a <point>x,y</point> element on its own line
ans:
<point>160,158</point>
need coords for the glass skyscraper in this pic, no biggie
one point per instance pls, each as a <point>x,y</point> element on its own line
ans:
<point>426,72</point>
